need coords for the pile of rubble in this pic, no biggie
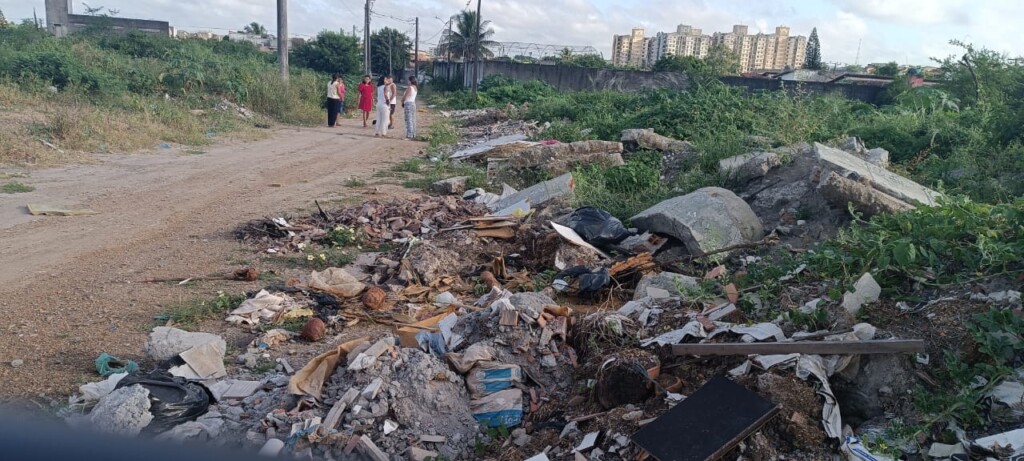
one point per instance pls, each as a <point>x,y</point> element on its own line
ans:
<point>510,326</point>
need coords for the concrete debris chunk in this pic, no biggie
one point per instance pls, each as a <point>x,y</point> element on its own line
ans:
<point>165,342</point>
<point>743,168</point>
<point>705,220</point>
<point>648,139</point>
<point>561,158</point>
<point>878,156</point>
<point>124,411</point>
<point>847,165</point>
<point>370,449</point>
<point>367,358</point>
<point>419,454</point>
<point>866,291</point>
<point>668,281</point>
<point>840,192</point>
<point>539,194</point>
<point>450,186</point>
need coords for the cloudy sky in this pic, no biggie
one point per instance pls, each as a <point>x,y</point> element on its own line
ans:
<point>906,31</point>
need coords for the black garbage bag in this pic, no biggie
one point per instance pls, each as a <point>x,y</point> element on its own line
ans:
<point>597,227</point>
<point>173,400</point>
<point>590,282</point>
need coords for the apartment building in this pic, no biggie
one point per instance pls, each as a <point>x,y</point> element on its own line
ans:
<point>759,51</point>
<point>630,50</point>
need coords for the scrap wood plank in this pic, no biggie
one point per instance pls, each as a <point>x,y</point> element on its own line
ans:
<point>887,346</point>
<point>708,424</point>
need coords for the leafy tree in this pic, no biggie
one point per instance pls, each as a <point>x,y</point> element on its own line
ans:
<point>255,28</point>
<point>812,57</point>
<point>524,59</point>
<point>723,61</point>
<point>329,52</point>
<point>389,50</point>
<point>3,20</point>
<point>464,40</point>
<point>587,60</point>
<point>696,69</point>
<point>565,55</point>
<point>889,69</point>
<point>855,69</point>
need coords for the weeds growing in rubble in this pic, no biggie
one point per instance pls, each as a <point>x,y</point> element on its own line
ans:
<point>622,191</point>
<point>956,242</point>
<point>190,313</point>
<point>355,182</point>
<point>15,187</point>
<point>443,169</point>
<point>409,165</point>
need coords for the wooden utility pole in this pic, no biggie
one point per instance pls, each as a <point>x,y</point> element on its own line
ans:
<point>416,55</point>
<point>476,52</point>
<point>448,45</point>
<point>282,37</point>
<point>366,40</point>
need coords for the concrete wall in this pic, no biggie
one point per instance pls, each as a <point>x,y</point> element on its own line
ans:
<point>584,79</point>
<point>865,93</point>
<point>574,78</point>
<point>78,22</point>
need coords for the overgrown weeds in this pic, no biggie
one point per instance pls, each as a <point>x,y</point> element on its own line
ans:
<point>190,313</point>
<point>15,187</point>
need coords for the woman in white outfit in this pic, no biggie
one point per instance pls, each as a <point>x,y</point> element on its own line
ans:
<point>409,104</point>
<point>383,108</point>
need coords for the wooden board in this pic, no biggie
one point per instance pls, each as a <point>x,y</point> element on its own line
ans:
<point>707,424</point>
<point>887,346</point>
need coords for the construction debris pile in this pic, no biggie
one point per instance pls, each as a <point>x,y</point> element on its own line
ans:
<point>511,326</point>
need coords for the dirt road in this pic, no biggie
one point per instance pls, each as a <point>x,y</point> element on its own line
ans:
<point>69,285</point>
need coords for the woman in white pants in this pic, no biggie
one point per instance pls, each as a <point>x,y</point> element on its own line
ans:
<point>383,107</point>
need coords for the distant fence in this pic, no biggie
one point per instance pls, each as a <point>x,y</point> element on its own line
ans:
<point>567,78</point>
<point>865,93</point>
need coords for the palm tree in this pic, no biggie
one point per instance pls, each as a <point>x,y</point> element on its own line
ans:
<point>463,40</point>
<point>255,28</point>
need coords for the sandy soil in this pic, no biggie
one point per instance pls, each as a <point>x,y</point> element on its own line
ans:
<point>69,286</point>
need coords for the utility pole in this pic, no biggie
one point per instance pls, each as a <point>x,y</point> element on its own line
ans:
<point>448,45</point>
<point>476,53</point>
<point>353,30</point>
<point>282,37</point>
<point>416,52</point>
<point>366,40</point>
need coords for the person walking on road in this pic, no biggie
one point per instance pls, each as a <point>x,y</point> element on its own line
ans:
<point>409,104</point>
<point>384,96</point>
<point>366,98</point>
<point>335,96</point>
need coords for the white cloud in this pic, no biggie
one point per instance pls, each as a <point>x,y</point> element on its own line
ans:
<point>930,12</point>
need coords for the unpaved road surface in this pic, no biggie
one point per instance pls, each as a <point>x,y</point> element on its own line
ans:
<point>69,286</point>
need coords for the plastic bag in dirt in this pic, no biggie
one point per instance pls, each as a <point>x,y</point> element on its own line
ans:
<point>597,227</point>
<point>590,282</point>
<point>173,400</point>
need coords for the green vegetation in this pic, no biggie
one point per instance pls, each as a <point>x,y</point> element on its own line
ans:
<point>957,242</point>
<point>190,313</point>
<point>15,187</point>
<point>330,53</point>
<point>812,56</point>
<point>622,191</point>
<point>390,51</point>
<point>97,91</point>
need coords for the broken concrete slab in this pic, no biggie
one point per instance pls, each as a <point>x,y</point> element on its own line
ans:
<point>450,186</point>
<point>166,342</point>
<point>419,454</point>
<point>207,360</point>
<point>865,291</point>
<point>367,358</point>
<point>492,144</point>
<point>841,192</point>
<point>561,158</point>
<point>370,449</point>
<point>123,412</point>
<point>878,156</point>
<point>539,193</point>
<point>743,168</point>
<point>675,284</point>
<point>706,220</point>
<point>648,139</point>
<point>848,165</point>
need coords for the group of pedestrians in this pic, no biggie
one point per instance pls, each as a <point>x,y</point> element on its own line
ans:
<point>386,95</point>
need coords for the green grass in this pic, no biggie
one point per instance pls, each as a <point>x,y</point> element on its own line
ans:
<point>15,187</point>
<point>195,151</point>
<point>444,169</point>
<point>188,314</point>
<point>355,182</point>
<point>409,165</point>
<point>622,191</point>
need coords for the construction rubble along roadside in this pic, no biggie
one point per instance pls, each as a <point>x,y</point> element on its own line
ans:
<point>485,356</point>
